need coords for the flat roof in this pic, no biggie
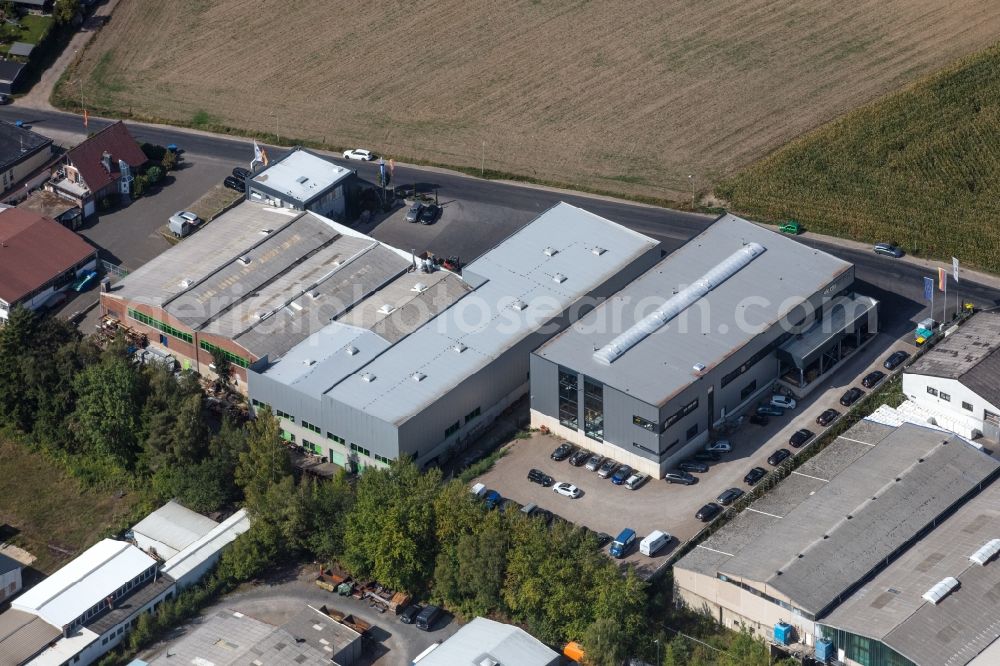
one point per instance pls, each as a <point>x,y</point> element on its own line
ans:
<point>301,175</point>
<point>846,510</point>
<point>891,607</point>
<point>8,564</point>
<point>221,638</point>
<point>711,328</point>
<point>484,639</point>
<point>968,355</point>
<point>96,573</point>
<point>23,635</point>
<point>175,526</point>
<point>47,204</point>
<point>16,143</point>
<point>518,286</point>
<point>206,546</point>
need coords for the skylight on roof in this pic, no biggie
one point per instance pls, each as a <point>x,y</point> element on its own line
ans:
<point>559,277</point>
<point>550,251</point>
<point>986,552</point>
<point>368,377</point>
<point>418,376</point>
<point>941,590</point>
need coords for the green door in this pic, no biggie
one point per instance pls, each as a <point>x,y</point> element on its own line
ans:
<point>338,458</point>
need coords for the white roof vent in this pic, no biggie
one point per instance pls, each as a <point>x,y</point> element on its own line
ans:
<point>386,309</point>
<point>419,287</point>
<point>418,376</point>
<point>941,590</point>
<point>597,250</point>
<point>986,553</point>
<point>458,348</point>
<point>308,362</point>
<point>245,260</point>
<point>487,660</point>
<point>559,277</point>
<point>262,315</point>
<point>550,251</point>
<point>314,295</point>
<point>266,232</point>
<point>518,304</point>
<point>699,367</point>
<point>368,377</point>
<point>351,350</point>
<point>185,284</point>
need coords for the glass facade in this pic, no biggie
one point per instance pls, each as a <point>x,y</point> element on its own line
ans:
<point>569,389</point>
<point>593,410</point>
<point>864,650</point>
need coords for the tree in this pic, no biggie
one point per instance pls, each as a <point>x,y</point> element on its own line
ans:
<point>223,367</point>
<point>251,553</point>
<point>677,652</point>
<point>63,11</point>
<point>155,174</point>
<point>107,415</point>
<point>139,185</point>
<point>7,10</point>
<point>745,650</point>
<point>604,643</point>
<point>263,463</point>
<point>330,502</point>
<point>169,161</point>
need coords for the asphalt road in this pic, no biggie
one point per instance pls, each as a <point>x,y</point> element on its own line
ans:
<point>898,284</point>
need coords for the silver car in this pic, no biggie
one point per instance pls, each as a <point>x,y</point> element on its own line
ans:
<point>413,215</point>
<point>607,469</point>
<point>594,463</point>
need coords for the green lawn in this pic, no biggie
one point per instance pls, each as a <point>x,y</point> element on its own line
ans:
<point>920,168</point>
<point>35,28</point>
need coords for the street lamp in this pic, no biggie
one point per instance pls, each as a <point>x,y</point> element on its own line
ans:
<point>691,184</point>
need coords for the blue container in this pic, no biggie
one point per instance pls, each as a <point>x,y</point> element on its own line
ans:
<point>783,633</point>
<point>824,651</point>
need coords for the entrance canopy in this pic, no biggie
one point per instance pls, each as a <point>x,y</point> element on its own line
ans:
<point>847,314</point>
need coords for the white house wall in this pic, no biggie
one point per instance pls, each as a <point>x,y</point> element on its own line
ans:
<point>915,388</point>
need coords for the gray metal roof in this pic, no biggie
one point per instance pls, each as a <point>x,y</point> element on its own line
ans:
<point>710,329</point>
<point>22,49</point>
<point>175,525</point>
<point>220,639</point>
<point>820,552</point>
<point>890,607</point>
<point>490,320</point>
<point>22,635</point>
<point>968,355</point>
<point>480,639</point>
<point>301,175</point>
<point>8,564</point>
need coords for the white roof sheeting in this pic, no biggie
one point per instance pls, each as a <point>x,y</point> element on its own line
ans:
<point>485,641</point>
<point>986,552</point>
<point>207,546</point>
<point>301,175</point>
<point>941,590</point>
<point>69,592</point>
<point>175,526</point>
<point>64,649</point>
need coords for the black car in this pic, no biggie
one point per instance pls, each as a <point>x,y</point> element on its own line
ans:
<point>579,459</point>
<point>428,617</point>
<point>563,451</point>
<point>693,466</point>
<point>430,213</point>
<point>778,457</point>
<point>760,419</point>
<point>540,477</point>
<point>754,475</point>
<point>241,173</point>
<point>800,437</point>
<point>895,360</point>
<point>872,379</point>
<point>729,496</point>
<point>852,395</point>
<point>707,512</point>
<point>602,539</point>
<point>410,614</point>
<point>235,184</point>
<point>707,456</point>
<point>827,417</point>
<point>682,478</point>
<point>413,215</point>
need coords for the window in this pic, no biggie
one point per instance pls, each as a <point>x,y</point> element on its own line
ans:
<point>160,326</point>
<point>932,391</point>
<point>287,436</point>
<point>309,446</point>
<point>452,429</point>
<point>285,415</point>
<point>644,423</point>
<point>754,360</point>
<point>310,426</point>
<point>691,432</point>
<point>967,406</point>
<point>382,459</point>
<point>944,396</point>
<point>593,410</point>
<point>471,415</point>
<point>260,405</point>
<point>681,413</point>
<point>748,390</point>
<point>336,438</point>
<point>568,399</point>
<point>235,359</point>
<point>362,451</point>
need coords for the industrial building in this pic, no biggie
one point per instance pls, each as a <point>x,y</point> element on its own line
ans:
<point>878,551</point>
<point>10,577</point>
<point>698,338</point>
<point>364,351</point>
<point>198,557</point>
<point>169,530</point>
<point>304,181</point>
<point>956,383</point>
<point>485,641</point>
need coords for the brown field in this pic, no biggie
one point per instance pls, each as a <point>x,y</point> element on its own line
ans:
<point>618,96</point>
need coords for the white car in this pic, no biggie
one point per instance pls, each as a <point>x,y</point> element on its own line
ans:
<point>567,490</point>
<point>782,402</point>
<point>359,154</point>
<point>719,446</point>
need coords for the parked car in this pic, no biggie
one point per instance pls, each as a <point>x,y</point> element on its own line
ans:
<point>410,614</point>
<point>428,617</point>
<point>53,302</point>
<point>895,359</point>
<point>719,446</point>
<point>872,379</point>
<point>359,154</point>
<point>413,215</point>
<point>851,396</point>
<point>603,539</point>
<point>623,543</point>
<point>607,468</point>
<point>888,250</point>
<point>563,451</point>
<point>430,214</point>
<point>492,499</point>
<point>791,227</point>
<point>827,417</point>
<point>778,457</point>
<point>693,466</point>
<point>800,437</point>
<point>708,512</point>
<point>683,478</point>
<point>84,281</point>
<point>783,401</point>
<point>544,514</point>
<point>234,183</point>
<point>594,462</point>
<point>621,474</point>
<point>769,410</point>
<point>183,222</point>
<point>567,490</point>
<point>241,173</point>
<point>754,475</point>
<point>760,419</point>
<point>539,477</point>
<point>707,456</point>
<point>509,505</point>
<point>636,481</point>
<point>654,542</point>
<point>729,496</point>
<point>579,459</point>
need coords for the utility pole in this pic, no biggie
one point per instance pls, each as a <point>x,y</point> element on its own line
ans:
<point>691,184</point>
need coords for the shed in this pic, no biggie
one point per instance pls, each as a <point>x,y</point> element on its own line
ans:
<point>22,49</point>
<point>9,73</point>
<point>170,529</point>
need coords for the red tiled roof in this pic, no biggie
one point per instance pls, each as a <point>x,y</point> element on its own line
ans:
<point>114,139</point>
<point>33,250</point>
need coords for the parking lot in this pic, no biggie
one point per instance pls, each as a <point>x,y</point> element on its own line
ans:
<point>658,505</point>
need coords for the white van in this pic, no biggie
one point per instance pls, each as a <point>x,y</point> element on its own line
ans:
<point>654,542</point>
<point>478,490</point>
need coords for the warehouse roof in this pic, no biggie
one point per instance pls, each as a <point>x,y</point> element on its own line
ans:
<point>857,503</point>
<point>34,250</point>
<point>99,571</point>
<point>891,607</point>
<point>175,526</point>
<point>969,355</point>
<point>23,635</point>
<point>485,641</point>
<point>206,546</point>
<point>221,639</point>
<point>518,286</point>
<point>301,176</point>
<point>756,277</point>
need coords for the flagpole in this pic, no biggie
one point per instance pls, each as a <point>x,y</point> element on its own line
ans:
<point>944,305</point>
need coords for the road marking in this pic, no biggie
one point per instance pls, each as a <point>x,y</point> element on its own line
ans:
<point>856,441</point>
<point>812,477</point>
<point>749,508</point>
<point>720,552</point>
